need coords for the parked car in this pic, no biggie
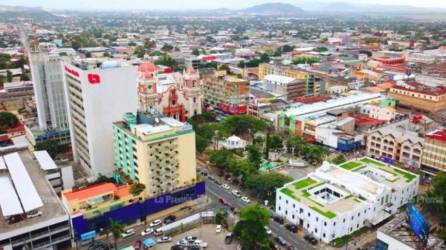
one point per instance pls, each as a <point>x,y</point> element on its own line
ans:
<point>169,219</point>
<point>217,182</point>
<point>236,193</point>
<point>155,223</point>
<point>245,199</point>
<point>147,231</point>
<point>164,239</point>
<point>137,245</point>
<point>191,238</point>
<point>268,230</point>
<point>226,186</point>
<point>278,219</point>
<point>34,213</point>
<point>228,238</point>
<point>310,239</point>
<point>281,241</point>
<point>158,232</point>
<point>218,229</point>
<point>127,233</point>
<point>291,227</point>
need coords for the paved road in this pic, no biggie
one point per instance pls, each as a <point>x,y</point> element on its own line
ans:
<point>215,192</point>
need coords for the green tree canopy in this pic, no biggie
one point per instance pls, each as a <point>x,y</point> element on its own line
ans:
<point>8,120</point>
<point>251,228</point>
<point>243,124</point>
<point>254,155</point>
<point>221,158</point>
<point>264,185</point>
<point>434,199</point>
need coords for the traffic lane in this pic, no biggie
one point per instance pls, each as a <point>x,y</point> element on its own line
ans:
<point>219,192</point>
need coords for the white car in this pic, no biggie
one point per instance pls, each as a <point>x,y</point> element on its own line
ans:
<point>158,232</point>
<point>218,229</point>
<point>147,231</point>
<point>268,231</point>
<point>164,239</point>
<point>226,186</point>
<point>245,199</point>
<point>155,223</point>
<point>33,214</point>
<point>127,233</point>
<point>236,193</point>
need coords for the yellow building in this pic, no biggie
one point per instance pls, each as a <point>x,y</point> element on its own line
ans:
<point>434,152</point>
<point>270,69</point>
<point>420,96</point>
<point>156,151</point>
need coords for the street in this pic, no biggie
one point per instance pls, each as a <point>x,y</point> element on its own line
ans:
<point>215,192</point>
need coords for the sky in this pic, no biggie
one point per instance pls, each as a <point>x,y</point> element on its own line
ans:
<point>196,4</point>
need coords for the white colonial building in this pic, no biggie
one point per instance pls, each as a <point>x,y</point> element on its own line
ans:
<point>335,201</point>
<point>233,142</point>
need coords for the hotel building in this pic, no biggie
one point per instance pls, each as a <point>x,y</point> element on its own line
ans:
<point>98,94</point>
<point>156,151</point>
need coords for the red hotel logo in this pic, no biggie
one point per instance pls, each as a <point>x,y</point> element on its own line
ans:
<point>71,71</point>
<point>94,79</point>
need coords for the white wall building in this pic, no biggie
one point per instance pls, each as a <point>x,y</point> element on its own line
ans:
<point>47,77</point>
<point>98,94</point>
<point>335,200</point>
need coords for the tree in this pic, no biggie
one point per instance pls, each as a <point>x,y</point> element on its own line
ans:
<point>264,185</point>
<point>221,158</point>
<point>251,227</point>
<point>220,217</point>
<point>149,44</point>
<point>305,60</point>
<point>8,76</point>
<point>166,60</point>
<point>242,168</point>
<point>339,159</point>
<point>116,229</point>
<point>254,155</point>
<point>320,49</point>
<point>51,146</point>
<point>243,124</point>
<point>287,48</point>
<point>264,58</point>
<point>137,189</point>
<point>196,52</point>
<point>88,54</point>
<point>433,200</point>
<point>167,47</point>
<point>8,120</point>
<point>139,51</point>
<point>275,142</point>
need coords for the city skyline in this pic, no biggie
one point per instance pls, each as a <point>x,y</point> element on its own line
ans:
<point>200,4</point>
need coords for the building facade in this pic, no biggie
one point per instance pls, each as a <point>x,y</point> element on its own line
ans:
<point>227,93</point>
<point>434,153</point>
<point>420,97</point>
<point>98,94</point>
<point>397,143</point>
<point>156,151</point>
<point>175,95</point>
<point>335,201</point>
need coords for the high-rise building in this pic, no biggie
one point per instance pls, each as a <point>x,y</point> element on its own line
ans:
<point>48,80</point>
<point>156,151</point>
<point>98,94</point>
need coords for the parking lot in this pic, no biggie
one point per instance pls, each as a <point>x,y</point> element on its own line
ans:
<point>207,234</point>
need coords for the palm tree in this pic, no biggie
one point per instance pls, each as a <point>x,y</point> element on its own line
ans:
<point>116,228</point>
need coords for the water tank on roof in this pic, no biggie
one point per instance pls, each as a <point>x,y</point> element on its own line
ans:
<point>110,64</point>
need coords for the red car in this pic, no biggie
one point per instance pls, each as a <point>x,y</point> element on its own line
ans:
<point>137,245</point>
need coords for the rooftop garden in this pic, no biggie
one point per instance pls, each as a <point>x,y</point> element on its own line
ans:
<point>289,193</point>
<point>373,162</point>
<point>351,165</point>
<point>304,183</point>
<point>409,177</point>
